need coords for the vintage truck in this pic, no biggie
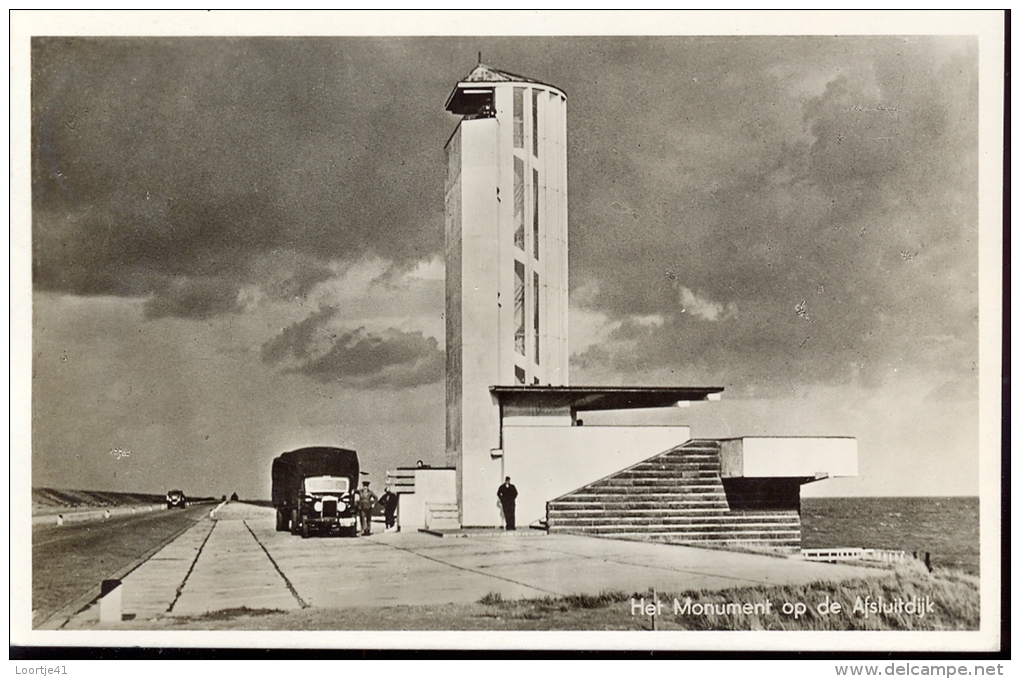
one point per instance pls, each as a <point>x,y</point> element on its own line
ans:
<point>313,491</point>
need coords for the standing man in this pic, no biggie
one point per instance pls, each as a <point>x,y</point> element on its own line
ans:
<point>366,502</point>
<point>389,501</point>
<point>507,495</point>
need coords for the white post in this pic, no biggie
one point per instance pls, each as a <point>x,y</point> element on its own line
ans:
<point>110,601</point>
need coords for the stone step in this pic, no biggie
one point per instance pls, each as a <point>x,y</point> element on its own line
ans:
<point>637,507</point>
<point>670,482</point>
<point>616,498</point>
<point>722,531</point>
<point>685,501</point>
<point>672,502</point>
<point>677,462</point>
<point>671,522</point>
<point>670,463</point>
<point>706,534</point>
<point>675,539</point>
<point>442,516</point>
<point>685,458</point>
<point>668,474</point>
<point>645,492</point>
<point>674,517</point>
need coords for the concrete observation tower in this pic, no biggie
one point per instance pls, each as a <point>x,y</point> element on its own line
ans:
<point>510,410</point>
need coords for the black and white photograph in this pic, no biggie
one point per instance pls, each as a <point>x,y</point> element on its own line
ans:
<point>351,330</point>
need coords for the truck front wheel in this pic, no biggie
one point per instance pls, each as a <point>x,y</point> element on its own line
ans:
<point>281,522</point>
<point>305,529</point>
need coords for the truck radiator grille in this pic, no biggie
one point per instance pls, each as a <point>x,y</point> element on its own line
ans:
<point>329,508</point>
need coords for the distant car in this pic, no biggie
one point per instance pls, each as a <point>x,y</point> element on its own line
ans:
<point>175,498</point>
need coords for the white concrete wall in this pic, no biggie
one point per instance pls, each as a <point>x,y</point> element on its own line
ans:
<point>482,342</point>
<point>546,462</point>
<point>765,457</point>
<point>437,486</point>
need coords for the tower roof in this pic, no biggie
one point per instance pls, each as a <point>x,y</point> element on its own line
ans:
<point>486,74</point>
<point>470,94</point>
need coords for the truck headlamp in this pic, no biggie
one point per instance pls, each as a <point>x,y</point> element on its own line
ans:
<point>318,505</point>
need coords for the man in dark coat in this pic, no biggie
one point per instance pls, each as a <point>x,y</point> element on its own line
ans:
<point>389,501</point>
<point>507,495</point>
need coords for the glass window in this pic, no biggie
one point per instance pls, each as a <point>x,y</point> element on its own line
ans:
<point>326,484</point>
<point>519,374</point>
<point>534,211</point>
<point>519,202</point>
<point>534,122</point>
<point>518,117</point>
<point>519,307</point>
<point>535,307</point>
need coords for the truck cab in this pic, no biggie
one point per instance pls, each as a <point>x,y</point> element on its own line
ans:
<point>313,491</point>
<point>326,503</point>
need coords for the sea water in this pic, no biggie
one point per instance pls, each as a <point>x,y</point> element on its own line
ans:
<point>946,527</point>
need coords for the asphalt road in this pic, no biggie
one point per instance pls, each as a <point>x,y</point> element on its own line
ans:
<point>70,560</point>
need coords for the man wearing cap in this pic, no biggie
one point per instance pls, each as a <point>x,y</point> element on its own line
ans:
<point>366,502</point>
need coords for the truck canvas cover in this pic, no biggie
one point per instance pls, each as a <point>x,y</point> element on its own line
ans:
<point>291,468</point>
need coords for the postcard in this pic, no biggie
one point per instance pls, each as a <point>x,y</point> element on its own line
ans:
<point>431,330</point>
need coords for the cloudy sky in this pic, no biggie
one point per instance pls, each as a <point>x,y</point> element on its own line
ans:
<point>237,246</point>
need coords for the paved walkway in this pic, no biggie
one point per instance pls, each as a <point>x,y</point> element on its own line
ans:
<point>240,560</point>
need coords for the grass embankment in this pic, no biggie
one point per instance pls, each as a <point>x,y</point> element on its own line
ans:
<point>910,599</point>
<point>953,596</point>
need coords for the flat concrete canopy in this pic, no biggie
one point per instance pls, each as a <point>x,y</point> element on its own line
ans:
<point>600,398</point>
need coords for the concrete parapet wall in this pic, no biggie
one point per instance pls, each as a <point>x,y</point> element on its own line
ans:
<point>546,462</point>
<point>431,487</point>
<point>84,514</point>
<point>789,457</point>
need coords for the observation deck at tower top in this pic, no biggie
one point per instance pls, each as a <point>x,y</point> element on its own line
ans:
<point>470,94</point>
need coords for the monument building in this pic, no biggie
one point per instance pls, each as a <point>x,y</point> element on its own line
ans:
<point>510,408</point>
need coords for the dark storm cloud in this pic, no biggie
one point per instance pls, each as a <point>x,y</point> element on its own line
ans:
<point>357,358</point>
<point>155,158</point>
<point>192,298</point>
<point>391,359</point>
<point>837,177</point>
<point>299,340</point>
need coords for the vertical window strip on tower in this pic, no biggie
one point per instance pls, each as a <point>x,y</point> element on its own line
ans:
<point>518,117</point>
<point>519,202</point>
<point>535,307</point>
<point>534,122</point>
<point>519,307</point>
<point>534,210</point>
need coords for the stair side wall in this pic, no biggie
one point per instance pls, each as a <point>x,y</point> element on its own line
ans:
<point>546,462</point>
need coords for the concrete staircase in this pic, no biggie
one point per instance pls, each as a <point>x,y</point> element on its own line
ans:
<point>678,497</point>
<point>441,516</point>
